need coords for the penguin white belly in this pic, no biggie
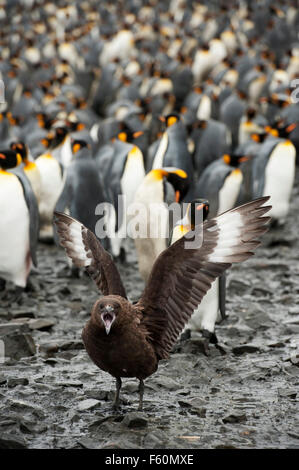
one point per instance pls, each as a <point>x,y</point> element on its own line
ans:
<point>133,176</point>
<point>206,315</point>
<point>51,187</point>
<point>159,157</point>
<point>279,179</point>
<point>229,192</point>
<point>33,174</point>
<point>15,259</point>
<point>153,222</point>
<point>66,152</point>
<point>204,109</point>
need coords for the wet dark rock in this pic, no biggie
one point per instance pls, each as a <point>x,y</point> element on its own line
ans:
<point>22,406</point>
<point>88,443</point>
<point>155,440</point>
<point>42,324</point>
<point>166,382</point>
<point>13,382</point>
<point>69,383</point>
<point>18,346</point>
<point>295,360</point>
<point>235,417</point>
<point>245,348</point>
<point>13,327</point>
<point>97,394</point>
<point>135,419</point>
<point>8,441</point>
<point>88,404</point>
<point>27,426</point>
<point>287,392</point>
<point>236,287</point>
<point>260,292</point>
<point>22,313</point>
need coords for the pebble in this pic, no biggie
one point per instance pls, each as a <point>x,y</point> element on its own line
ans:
<point>88,404</point>
<point>235,417</point>
<point>8,441</point>
<point>245,348</point>
<point>135,420</point>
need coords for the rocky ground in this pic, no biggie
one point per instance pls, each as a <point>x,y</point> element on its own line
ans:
<point>52,396</point>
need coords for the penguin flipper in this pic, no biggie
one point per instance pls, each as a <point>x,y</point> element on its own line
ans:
<point>33,213</point>
<point>222,296</point>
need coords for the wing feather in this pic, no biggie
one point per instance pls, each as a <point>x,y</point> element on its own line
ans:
<point>181,277</point>
<point>85,250</point>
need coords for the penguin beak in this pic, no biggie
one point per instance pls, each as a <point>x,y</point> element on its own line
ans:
<point>137,134</point>
<point>161,118</point>
<point>177,196</point>
<point>108,317</point>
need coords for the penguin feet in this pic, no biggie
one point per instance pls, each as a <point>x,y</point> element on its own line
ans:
<point>210,337</point>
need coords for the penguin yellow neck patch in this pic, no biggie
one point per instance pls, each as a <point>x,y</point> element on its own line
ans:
<point>29,166</point>
<point>171,120</point>
<point>5,173</point>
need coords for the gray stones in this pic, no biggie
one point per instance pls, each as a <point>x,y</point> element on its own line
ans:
<point>8,441</point>
<point>235,417</point>
<point>88,404</point>
<point>245,348</point>
<point>135,420</point>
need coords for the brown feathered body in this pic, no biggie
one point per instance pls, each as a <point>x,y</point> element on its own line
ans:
<point>125,351</point>
<point>128,340</point>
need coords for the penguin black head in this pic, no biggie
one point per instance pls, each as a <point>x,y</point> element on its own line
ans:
<point>170,119</point>
<point>234,160</point>
<point>9,159</point>
<point>179,180</point>
<point>197,211</point>
<point>285,130</point>
<point>127,135</point>
<point>20,148</point>
<point>48,140</point>
<point>78,145</point>
<point>60,135</point>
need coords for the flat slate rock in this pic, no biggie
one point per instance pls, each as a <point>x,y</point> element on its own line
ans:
<point>88,404</point>
<point>8,441</point>
<point>135,420</point>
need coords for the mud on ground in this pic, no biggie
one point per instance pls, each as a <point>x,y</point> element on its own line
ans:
<point>248,398</point>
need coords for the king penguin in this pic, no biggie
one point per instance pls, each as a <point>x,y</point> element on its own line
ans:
<point>30,168</point>
<point>159,188</point>
<point>212,307</point>
<point>273,173</point>
<point>82,190</point>
<point>19,224</point>
<point>124,175</point>
<point>221,183</point>
<point>52,181</point>
<point>173,149</point>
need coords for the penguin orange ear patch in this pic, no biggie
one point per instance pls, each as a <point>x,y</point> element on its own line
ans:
<point>226,159</point>
<point>122,136</point>
<point>171,120</point>
<point>76,147</point>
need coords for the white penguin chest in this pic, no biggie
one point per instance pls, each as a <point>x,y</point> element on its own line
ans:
<point>279,178</point>
<point>230,190</point>
<point>14,230</point>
